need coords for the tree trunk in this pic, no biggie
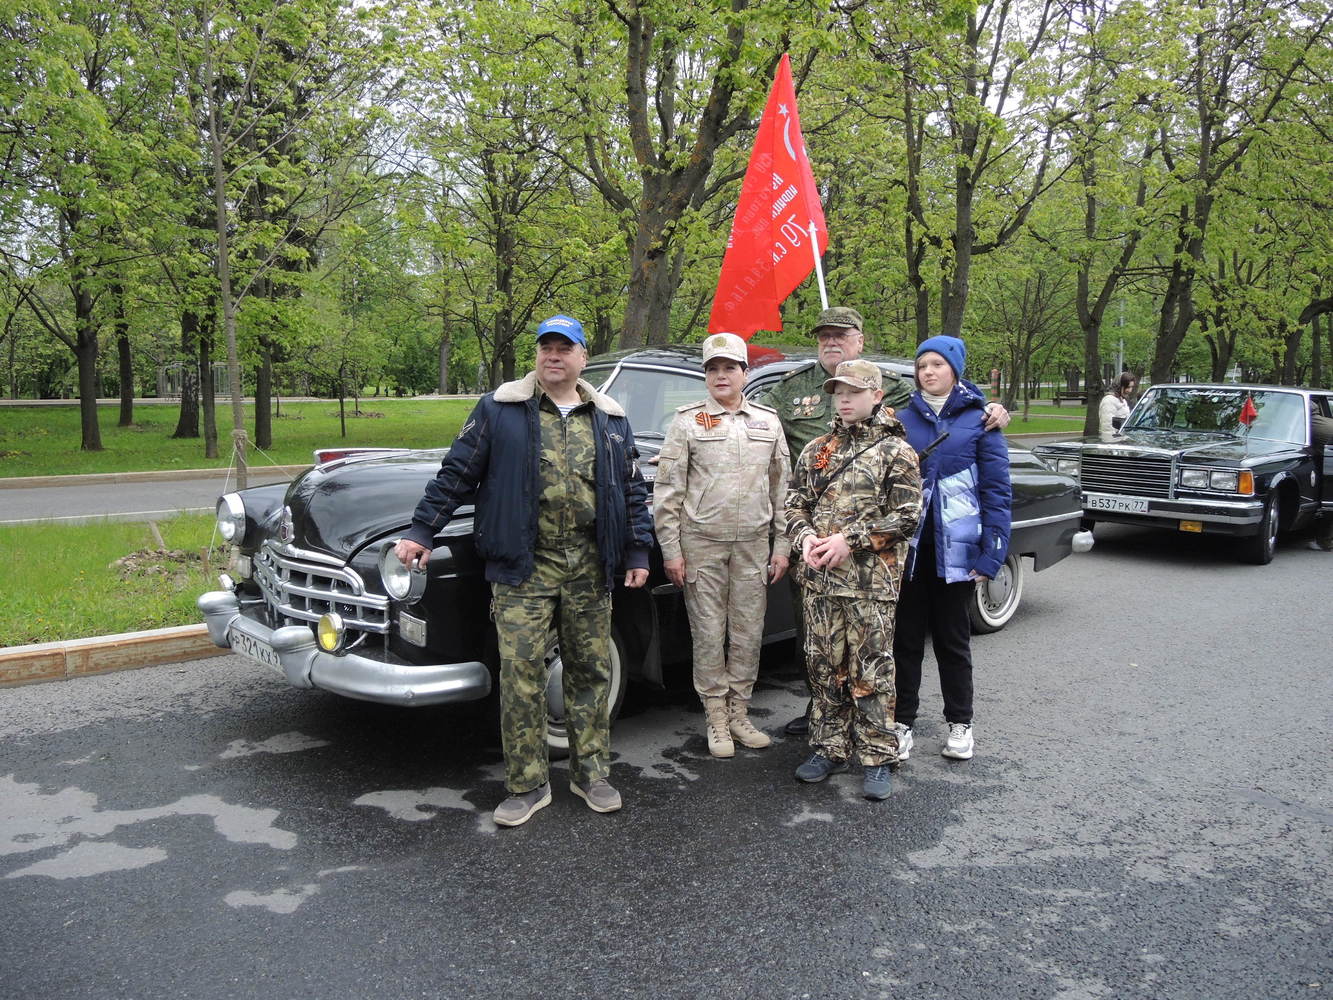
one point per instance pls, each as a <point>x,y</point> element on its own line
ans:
<point>446,346</point>
<point>187,424</point>
<point>13,336</point>
<point>122,324</point>
<point>1291,336</point>
<point>207,390</point>
<point>1316,359</point>
<point>264,395</point>
<point>85,351</point>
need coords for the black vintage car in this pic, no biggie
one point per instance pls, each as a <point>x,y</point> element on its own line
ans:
<point>315,591</point>
<point>1247,461</point>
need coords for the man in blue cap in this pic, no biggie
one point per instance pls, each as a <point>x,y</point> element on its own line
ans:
<point>561,510</point>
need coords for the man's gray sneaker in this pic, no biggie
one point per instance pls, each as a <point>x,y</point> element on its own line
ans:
<point>518,809</point>
<point>904,734</point>
<point>819,767</point>
<point>599,795</point>
<point>875,783</point>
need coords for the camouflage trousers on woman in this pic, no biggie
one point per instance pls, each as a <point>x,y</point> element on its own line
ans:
<point>849,654</point>
<point>566,594</point>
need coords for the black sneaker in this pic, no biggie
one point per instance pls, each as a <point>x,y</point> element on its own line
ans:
<point>875,783</point>
<point>819,767</point>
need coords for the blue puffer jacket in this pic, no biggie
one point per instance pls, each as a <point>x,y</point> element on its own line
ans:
<point>964,485</point>
<point>498,454</point>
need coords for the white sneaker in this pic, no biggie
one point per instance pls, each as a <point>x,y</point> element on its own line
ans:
<point>959,744</point>
<point>904,734</point>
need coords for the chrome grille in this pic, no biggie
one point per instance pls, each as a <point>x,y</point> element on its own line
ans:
<point>1140,475</point>
<point>305,585</point>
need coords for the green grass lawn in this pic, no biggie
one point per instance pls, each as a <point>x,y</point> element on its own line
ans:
<point>60,581</point>
<point>44,440</point>
<point>1040,424</point>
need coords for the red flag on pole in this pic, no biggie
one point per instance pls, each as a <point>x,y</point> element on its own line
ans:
<point>769,252</point>
<point>1248,414</point>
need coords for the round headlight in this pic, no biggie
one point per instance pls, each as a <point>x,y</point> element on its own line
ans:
<point>401,582</point>
<point>329,632</point>
<point>231,518</point>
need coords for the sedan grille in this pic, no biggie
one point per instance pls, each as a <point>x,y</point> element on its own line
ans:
<point>1140,475</point>
<point>297,584</point>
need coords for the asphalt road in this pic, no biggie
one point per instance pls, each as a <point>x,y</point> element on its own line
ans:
<point>122,501</point>
<point>1148,815</point>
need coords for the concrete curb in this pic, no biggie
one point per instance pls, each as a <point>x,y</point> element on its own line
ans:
<point>59,661</point>
<point>157,476</point>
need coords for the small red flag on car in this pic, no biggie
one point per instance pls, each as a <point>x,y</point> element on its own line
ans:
<point>1248,414</point>
<point>768,252</point>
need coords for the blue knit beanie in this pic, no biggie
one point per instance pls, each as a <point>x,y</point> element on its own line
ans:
<point>951,349</point>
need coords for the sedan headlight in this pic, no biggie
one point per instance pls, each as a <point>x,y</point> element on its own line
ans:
<point>400,582</point>
<point>1224,481</point>
<point>1194,479</point>
<point>1067,466</point>
<point>231,518</point>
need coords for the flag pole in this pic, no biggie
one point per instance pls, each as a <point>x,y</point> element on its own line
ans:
<point>819,266</point>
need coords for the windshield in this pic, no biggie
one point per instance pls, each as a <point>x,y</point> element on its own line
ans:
<point>649,395</point>
<point>1281,415</point>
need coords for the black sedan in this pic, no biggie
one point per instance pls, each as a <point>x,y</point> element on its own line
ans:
<point>1247,461</point>
<point>315,591</point>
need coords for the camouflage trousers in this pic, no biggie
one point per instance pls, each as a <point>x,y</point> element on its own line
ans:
<point>566,596</point>
<point>726,592</point>
<point>849,653</point>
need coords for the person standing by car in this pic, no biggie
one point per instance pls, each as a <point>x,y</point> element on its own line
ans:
<point>561,505</point>
<point>718,507</point>
<point>1114,407</point>
<point>963,537</point>
<point>853,505</point>
<point>806,411</point>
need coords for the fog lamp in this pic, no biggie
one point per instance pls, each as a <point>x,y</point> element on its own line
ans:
<point>330,632</point>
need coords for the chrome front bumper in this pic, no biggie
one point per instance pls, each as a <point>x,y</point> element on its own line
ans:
<point>300,660</point>
<point>1223,514</point>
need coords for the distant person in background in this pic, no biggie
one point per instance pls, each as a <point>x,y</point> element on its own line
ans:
<point>1114,408</point>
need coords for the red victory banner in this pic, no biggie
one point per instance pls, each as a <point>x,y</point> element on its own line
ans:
<point>771,249</point>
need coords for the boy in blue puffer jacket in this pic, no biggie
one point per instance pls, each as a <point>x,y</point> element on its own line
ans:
<point>963,537</point>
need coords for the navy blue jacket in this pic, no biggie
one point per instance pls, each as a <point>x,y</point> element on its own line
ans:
<point>498,454</point>
<point>964,485</point>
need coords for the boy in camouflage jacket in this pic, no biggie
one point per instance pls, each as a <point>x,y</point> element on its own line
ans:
<point>852,508</point>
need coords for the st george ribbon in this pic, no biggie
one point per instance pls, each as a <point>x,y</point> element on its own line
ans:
<point>778,235</point>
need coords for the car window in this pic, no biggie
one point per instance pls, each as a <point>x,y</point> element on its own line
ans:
<point>1280,416</point>
<point>650,396</point>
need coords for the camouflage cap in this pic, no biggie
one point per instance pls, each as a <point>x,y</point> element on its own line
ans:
<point>726,345</point>
<point>859,374</point>
<point>843,316</point>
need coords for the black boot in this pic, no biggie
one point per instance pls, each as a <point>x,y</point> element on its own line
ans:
<point>800,726</point>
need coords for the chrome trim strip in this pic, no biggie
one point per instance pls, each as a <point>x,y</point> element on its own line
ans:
<point>1051,519</point>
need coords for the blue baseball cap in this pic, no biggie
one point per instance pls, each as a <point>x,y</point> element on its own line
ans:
<point>568,327</point>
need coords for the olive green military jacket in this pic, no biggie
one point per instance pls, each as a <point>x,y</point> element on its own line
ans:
<point>806,410</point>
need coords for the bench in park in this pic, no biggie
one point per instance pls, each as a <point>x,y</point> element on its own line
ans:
<point>1070,396</point>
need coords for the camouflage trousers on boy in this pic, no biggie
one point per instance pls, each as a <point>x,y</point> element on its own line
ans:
<point>849,653</point>
<point>566,594</point>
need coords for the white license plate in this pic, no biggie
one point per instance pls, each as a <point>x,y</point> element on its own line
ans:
<point>255,649</point>
<point>1127,505</point>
